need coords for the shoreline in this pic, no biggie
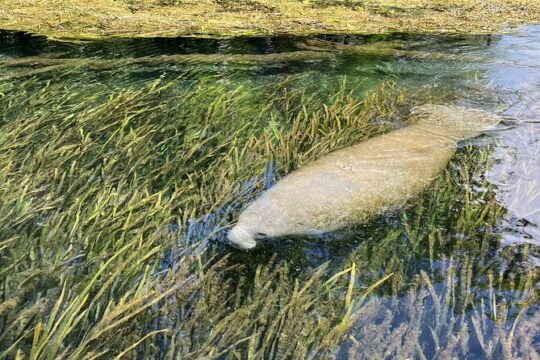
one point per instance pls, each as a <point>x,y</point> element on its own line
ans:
<point>106,19</point>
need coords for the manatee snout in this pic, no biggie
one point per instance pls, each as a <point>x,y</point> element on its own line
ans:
<point>251,228</point>
<point>261,220</point>
<point>241,238</point>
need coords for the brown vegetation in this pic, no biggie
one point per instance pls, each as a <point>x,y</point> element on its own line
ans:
<point>91,19</point>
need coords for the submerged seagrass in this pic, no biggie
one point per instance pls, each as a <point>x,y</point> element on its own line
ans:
<point>353,184</point>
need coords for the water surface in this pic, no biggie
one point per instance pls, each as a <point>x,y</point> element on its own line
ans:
<point>463,259</point>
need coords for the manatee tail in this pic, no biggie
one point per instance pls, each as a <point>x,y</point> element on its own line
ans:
<point>462,121</point>
<point>240,238</point>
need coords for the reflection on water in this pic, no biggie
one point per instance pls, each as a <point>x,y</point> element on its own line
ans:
<point>518,153</point>
<point>462,255</point>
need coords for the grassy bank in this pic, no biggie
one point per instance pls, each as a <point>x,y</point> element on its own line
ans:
<point>91,19</point>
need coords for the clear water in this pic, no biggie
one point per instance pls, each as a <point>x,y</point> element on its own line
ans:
<point>518,152</point>
<point>499,73</point>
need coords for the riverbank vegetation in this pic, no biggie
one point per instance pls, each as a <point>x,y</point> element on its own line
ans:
<point>94,19</point>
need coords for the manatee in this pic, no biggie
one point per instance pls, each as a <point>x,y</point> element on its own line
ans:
<point>352,185</point>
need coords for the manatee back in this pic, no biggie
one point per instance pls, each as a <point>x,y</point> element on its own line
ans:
<point>453,120</point>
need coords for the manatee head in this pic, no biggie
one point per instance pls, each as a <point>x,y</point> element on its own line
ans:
<point>455,121</point>
<point>264,218</point>
<point>242,238</point>
<point>245,234</point>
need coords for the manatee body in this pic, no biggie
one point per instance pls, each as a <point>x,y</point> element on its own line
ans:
<point>351,185</point>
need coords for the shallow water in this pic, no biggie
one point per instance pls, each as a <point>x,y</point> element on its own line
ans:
<point>457,296</point>
<point>518,152</point>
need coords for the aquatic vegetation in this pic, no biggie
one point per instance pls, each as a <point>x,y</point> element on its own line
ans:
<point>471,303</point>
<point>42,64</point>
<point>385,48</point>
<point>97,184</point>
<point>117,186</point>
<point>492,327</point>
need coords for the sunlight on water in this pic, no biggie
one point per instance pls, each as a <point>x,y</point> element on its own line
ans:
<point>518,153</point>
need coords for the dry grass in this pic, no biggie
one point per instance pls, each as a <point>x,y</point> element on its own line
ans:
<point>91,19</point>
